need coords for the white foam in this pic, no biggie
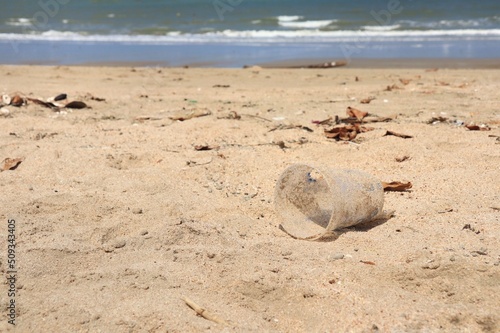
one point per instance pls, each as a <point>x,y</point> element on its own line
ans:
<point>19,22</point>
<point>306,24</point>
<point>265,36</point>
<point>287,18</point>
<point>381,27</point>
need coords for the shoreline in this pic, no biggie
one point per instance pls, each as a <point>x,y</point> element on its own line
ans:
<point>383,54</point>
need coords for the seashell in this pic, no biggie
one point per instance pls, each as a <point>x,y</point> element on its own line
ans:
<point>76,105</point>
<point>4,112</point>
<point>60,97</point>
<point>6,99</point>
<point>17,101</point>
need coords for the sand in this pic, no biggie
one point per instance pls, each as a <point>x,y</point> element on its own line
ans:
<point>118,216</point>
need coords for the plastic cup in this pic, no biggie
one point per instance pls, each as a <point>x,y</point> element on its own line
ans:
<point>313,202</point>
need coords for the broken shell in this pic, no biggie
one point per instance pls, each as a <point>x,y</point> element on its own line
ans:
<point>4,112</point>
<point>17,101</point>
<point>6,99</point>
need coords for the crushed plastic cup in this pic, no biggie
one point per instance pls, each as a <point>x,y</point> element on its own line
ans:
<point>313,202</point>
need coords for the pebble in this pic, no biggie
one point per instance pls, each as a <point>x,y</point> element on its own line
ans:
<point>336,256</point>
<point>137,211</point>
<point>143,232</point>
<point>119,244</point>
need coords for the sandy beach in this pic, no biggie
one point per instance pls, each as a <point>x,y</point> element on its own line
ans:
<point>163,189</point>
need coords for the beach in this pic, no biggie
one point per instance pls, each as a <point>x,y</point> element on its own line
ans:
<point>163,189</point>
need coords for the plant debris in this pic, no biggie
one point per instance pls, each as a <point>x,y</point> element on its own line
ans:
<point>396,186</point>
<point>285,127</point>
<point>367,262</point>
<point>202,312</point>
<point>367,100</point>
<point>11,163</point>
<point>393,87</point>
<point>190,114</point>
<point>358,114</point>
<point>205,147</point>
<point>346,132</point>
<point>402,159</point>
<point>404,136</point>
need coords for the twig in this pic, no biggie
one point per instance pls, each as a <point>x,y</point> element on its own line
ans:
<point>203,312</point>
<point>256,116</point>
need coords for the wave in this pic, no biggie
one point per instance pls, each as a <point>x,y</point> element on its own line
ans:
<point>294,22</point>
<point>484,22</point>
<point>262,36</point>
<point>287,18</point>
<point>306,24</point>
<point>381,27</point>
<point>19,22</point>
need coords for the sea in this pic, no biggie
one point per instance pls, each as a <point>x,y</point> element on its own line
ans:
<point>233,33</point>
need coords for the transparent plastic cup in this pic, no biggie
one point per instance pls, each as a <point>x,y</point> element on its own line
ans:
<point>314,202</point>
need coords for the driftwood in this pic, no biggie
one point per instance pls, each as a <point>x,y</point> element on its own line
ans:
<point>203,312</point>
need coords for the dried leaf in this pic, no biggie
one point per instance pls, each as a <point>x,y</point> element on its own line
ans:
<point>478,128</point>
<point>76,105</point>
<point>346,132</point>
<point>391,88</point>
<point>205,147</point>
<point>435,120</point>
<point>367,100</point>
<point>352,112</point>
<point>405,81</point>
<point>396,186</point>
<point>11,163</point>
<point>327,121</point>
<point>402,159</point>
<point>404,136</point>
<point>42,103</point>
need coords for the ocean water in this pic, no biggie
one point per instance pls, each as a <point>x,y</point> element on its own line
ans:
<point>168,31</point>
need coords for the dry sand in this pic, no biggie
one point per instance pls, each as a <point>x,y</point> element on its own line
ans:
<point>118,216</point>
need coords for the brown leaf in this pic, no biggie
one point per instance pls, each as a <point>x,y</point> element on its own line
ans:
<point>402,159</point>
<point>405,81</point>
<point>205,147</point>
<point>42,103</point>
<point>367,100</point>
<point>391,88</point>
<point>396,186</point>
<point>478,128</point>
<point>352,112</point>
<point>404,136</point>
<point>11,163</point>
<point>327,121</point>
<point>76,105</point>
<point>346,132</point>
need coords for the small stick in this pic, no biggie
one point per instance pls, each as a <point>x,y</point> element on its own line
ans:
<point>203,312</point>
